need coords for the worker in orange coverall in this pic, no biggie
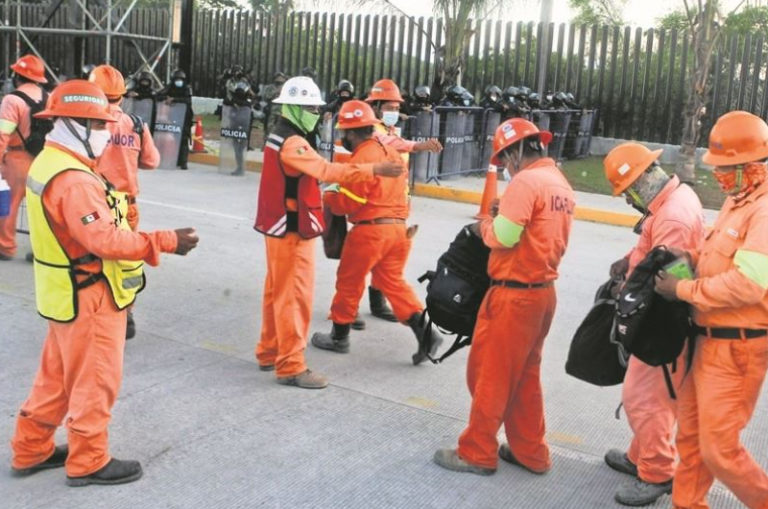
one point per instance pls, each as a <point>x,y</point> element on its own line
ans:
<point>88,269</point>
<point>730,311</point>
<point>672,217</point>
<point>15,128</point>
<point>130,147</point>
<point>379,242</point>
<point>290,216</point>
<point>528,237</point>
<point>385,99</point>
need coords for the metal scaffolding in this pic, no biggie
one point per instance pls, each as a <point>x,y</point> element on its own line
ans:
<point>95,19</point>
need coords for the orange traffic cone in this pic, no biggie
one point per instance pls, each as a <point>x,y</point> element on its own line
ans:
<point>197,145</point>
<point>489,193</point>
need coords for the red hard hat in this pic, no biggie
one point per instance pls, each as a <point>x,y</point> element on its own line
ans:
<point>109,80</point>
<point>384,90</point>
<point>77,99</point>
<point>513,130</point>
<point>354,114</point>
<point>31,68</point>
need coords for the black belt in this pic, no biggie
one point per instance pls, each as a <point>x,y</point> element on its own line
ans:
<point>509,283</point>
<point>383,220</point>
<point>730,333</point>
<point>131,200</point>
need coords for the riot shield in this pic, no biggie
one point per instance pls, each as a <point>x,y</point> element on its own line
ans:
<point>325,144</point>
<point>143,108</point>
<point>471,153</point>
<point>423,126</point>
<point>169,123</point>
<point>492,119</point>
<point>235,127</point>
<point>453,146</point>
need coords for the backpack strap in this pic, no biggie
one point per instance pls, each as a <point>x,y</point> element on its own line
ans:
<point>458,344</point>
<point>32,104</point>
<point>138,124</point>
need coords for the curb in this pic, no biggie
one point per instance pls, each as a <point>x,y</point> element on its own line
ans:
<point>461,195</point>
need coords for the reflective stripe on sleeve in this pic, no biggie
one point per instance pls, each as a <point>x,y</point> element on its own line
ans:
<point>507,232</point>
<point>753,265</point>
<point>7,127</point>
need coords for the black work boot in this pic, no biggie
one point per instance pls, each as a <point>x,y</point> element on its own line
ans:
<point>114,472</point>
<point>379,306</point>
<point>337,340</point>
<point>428,339</point>
<point>358,324</point>
<point>55,460</point>
<point>130,327</point>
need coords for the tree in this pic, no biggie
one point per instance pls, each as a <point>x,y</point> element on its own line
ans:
<point>705,28</point>
<point>598,12</point>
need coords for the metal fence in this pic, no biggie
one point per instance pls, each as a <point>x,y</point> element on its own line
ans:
<point>637,78</point>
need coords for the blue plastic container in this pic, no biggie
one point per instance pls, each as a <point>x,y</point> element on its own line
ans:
<point>5,199</point>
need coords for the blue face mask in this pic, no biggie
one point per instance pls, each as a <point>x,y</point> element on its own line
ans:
<point>179,83</point>
<point>390,118</point>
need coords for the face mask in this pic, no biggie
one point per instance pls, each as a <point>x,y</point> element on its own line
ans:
<point>390,118</point>
<point>72,135</point>
<point>346,144</point>
<point>179,83</point>
<point>301,118</point>
<point>741,181</point>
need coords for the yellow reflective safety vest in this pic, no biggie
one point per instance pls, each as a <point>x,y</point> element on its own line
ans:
<point>56,284</point>
<point>381,128</point>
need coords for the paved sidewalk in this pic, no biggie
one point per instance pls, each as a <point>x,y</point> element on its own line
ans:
<point>212,431</point>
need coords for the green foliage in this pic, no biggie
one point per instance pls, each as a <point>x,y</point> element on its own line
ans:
<point>675,19</point>
<point>750,19</point>
<point>602,12</point>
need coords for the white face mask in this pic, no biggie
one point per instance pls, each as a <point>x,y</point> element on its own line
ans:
<point>75,141</point>
<point>390,118</point>
<point>179,83</point>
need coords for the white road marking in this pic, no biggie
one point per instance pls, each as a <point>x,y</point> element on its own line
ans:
<point>196,211</point>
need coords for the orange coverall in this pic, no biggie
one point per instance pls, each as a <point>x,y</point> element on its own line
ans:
<point>675,220</point>
<point>718,397</point>
<point>381,249</point>
<point>126,152</point>
<point>290,279</point>
<point>82,361</point>
<point>504,361</point>
<point>16,160</point>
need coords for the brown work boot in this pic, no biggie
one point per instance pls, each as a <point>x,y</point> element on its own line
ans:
<point>505,453</point>
<point>114,472</point>
<point>449,459</point>
<point>55,460</point>
<point>305,380</point>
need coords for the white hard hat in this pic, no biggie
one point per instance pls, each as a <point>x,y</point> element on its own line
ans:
<point>301,91</point>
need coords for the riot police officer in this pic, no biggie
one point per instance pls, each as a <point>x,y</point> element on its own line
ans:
<point>178,90</point>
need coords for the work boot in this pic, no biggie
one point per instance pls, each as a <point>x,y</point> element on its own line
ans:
<point>55,460</point>
<point>428,339</point>
<point>130,327</point>
<point>638,492</point>
<point>505,453</point>
<point>618,460</point>
<point>306,380</point>
<point>358,324</point>
<point>449,459</point>
<point>115,472</point>
<point>266,367</point>
<point>337,340</point>
<point>379,306</point>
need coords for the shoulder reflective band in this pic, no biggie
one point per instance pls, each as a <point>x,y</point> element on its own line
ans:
<point>507,232</point>
<point>754,266</point>
<point>352,196</point>
<point>7,127</point>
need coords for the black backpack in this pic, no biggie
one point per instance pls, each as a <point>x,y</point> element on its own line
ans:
<point>647,326</point>
<point>39,127</point>
<point>457,287</point>
<point>593,356</point>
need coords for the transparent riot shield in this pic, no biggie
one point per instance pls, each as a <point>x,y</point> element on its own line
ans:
<point>425,125</point>
<point>235,127</point>
<point>470,156</point>
<point>143,108</point>
<point>169,122</point>
<point>325,145</point>
<point>492,120</point>
<point>453,152</point>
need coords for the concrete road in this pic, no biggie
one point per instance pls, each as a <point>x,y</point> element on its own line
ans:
<point>213,431</point>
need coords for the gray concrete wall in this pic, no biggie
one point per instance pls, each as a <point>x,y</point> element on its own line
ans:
<point>205,105</point>
<point>601,146</point>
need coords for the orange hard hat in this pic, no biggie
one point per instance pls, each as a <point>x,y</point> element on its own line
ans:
<point>626,162</point>
<point>109,80</point>
<point>384,90</point>
<point>513,130</point>
<point>77,99</point>
<point>737,137</point>
<point>354,114</point>
<point>31,67</point>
